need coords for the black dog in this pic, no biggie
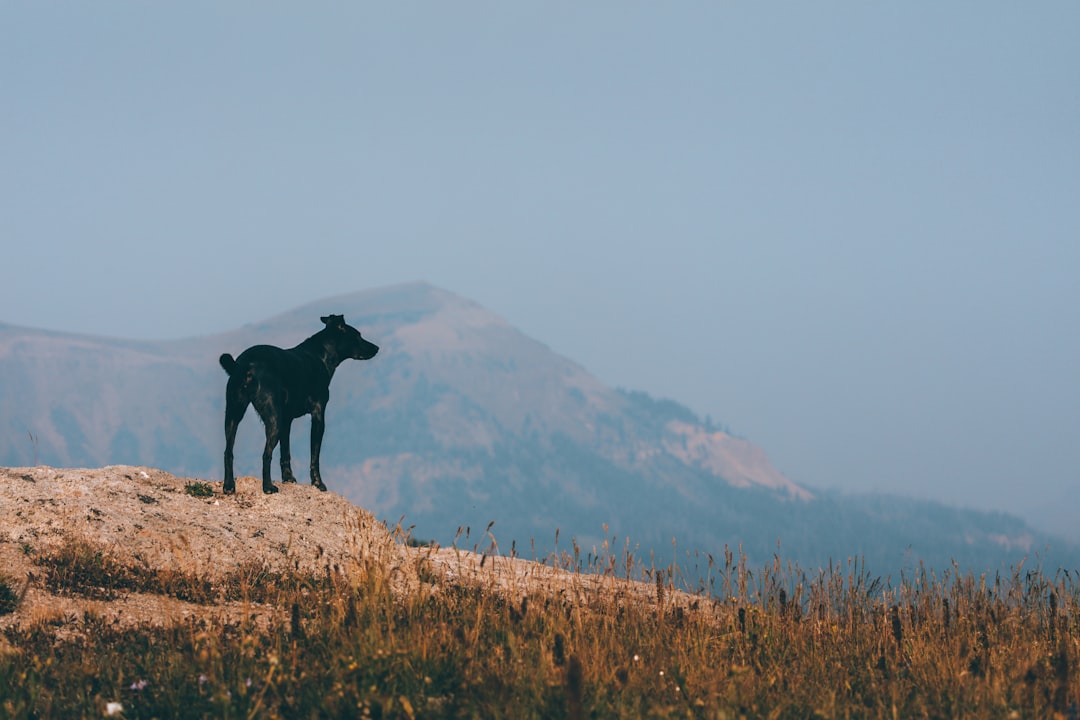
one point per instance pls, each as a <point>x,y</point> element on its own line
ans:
<point>283,385</point>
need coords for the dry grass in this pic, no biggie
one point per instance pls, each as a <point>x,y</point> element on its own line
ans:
<point>504,638</point>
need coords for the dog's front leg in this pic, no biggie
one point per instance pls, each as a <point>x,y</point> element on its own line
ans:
<point>318,424</point>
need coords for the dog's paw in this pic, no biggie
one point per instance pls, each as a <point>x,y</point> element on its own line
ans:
<point>270,489</point>
<point>228,489</point>
<point>319,485</point>
<point>289,479</point>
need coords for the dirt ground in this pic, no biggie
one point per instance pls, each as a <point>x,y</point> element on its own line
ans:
<point>149,517</point>
<point>146,516</point>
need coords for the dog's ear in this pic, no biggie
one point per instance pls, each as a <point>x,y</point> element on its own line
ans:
<point>333,321</point>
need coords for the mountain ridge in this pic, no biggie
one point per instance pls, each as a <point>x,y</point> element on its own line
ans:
<point>461,420</point>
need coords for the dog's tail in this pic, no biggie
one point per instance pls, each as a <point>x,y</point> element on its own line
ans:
<point>228,363</point>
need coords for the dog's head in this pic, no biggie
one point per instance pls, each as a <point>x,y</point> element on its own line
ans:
<point>348,339</point>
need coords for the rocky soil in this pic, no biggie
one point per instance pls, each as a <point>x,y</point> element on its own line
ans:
<point>151,518</point>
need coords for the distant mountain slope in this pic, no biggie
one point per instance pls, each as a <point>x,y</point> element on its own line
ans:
<point>462,420</point>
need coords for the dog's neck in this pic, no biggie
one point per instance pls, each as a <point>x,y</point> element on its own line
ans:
<point>322,346</point>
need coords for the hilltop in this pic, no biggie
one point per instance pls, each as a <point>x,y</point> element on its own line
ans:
<point>147,518</point>
<point>140,517</point>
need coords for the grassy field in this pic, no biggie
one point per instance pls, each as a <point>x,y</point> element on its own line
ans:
<point>775,642</point>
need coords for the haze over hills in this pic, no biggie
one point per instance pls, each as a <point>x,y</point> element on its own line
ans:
<point>462,420</point>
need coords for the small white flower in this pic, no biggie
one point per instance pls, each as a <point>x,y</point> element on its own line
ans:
<point>113,708</point>
<point>145,477</point>
<point>636,657</point>
<point>661,673</point>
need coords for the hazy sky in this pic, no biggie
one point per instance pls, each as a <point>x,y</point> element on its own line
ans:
<point>850,231</point>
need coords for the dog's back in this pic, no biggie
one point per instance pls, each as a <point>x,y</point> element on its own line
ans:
<point>295,373</point>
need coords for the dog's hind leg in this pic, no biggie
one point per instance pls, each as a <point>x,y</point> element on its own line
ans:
<point>235,407</point>
<point>271,425</point>
<point>286,456</point>
<point>269,403</point>
<point>318,424</point>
